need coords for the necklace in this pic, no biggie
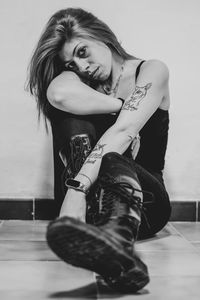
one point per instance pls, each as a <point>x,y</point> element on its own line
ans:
<point>114,90</point>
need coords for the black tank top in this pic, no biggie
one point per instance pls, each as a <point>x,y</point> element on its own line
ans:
<point>153,142</point>
<point>153,135</point>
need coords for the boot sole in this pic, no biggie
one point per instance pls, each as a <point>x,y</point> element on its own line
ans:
<point>86,246</point>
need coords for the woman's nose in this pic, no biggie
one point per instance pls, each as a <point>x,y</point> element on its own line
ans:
<point>82,65</point>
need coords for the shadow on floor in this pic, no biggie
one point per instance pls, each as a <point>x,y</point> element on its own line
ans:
<point>165,232</point>
<point>86,292</point>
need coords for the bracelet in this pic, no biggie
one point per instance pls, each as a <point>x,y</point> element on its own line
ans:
<point>86,177</point>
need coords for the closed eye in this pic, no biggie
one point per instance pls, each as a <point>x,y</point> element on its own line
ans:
<point>71,66</point>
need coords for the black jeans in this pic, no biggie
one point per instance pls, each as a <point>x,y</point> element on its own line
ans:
<point>156,209</point>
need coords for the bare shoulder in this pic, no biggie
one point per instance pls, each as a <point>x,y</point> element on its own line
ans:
<point>157,65</point>
<point>155,69</point>
<point>156,72</point>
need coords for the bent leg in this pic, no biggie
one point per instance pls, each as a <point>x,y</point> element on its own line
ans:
<point>73,139</point>
<point>106,248</point>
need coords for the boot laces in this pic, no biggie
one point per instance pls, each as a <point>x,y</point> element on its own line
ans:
<point>124,193</point>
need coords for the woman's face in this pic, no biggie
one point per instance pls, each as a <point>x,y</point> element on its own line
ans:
<point>90,59</point>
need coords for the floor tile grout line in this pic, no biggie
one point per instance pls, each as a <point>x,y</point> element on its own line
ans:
<point>194,242</point>
<point>189,242</point>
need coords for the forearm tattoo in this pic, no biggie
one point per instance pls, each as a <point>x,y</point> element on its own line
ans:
<point>136,97</point>
<point>97,153</point>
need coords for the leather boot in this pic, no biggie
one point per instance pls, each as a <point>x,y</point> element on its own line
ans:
<point>80,146</point>
<point>106,248</point>
<point>118,182</point>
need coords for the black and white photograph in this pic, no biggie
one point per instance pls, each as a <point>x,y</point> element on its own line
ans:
<point>99,155</point>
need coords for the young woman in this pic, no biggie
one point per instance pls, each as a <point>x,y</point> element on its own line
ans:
<point>109,116</point>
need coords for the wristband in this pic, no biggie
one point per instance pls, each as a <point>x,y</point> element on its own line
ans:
<point>76,185</point>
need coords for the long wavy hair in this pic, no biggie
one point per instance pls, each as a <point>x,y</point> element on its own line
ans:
<point>45,63</point>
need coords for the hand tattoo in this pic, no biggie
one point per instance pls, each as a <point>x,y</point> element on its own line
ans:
<point>97,153</point>
<point>136,97</point>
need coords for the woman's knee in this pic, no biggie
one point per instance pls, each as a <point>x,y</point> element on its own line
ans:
<point>72,126</point>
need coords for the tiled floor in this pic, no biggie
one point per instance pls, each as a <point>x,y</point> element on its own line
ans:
<point>29,270</point>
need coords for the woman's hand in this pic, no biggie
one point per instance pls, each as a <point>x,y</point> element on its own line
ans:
<point>74,205</point>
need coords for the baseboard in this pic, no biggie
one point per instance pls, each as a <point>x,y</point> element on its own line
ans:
<point>47,209</point>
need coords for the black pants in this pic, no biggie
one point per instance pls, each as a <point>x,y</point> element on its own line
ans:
<point>156,213</point>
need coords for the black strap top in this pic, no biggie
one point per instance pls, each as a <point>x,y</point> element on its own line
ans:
<point>138,69</point>
<point>154,136</point>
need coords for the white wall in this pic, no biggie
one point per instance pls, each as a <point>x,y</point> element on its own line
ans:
<point>167,30</point>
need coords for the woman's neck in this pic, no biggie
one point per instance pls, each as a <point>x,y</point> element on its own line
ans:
<point>110,86</point>
<point>117,63</point>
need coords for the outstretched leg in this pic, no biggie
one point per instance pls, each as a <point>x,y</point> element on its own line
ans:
<point>107,247</point>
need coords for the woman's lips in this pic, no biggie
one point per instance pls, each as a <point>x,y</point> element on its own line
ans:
<point>94,74</point>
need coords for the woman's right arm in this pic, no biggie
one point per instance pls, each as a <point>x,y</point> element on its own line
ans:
<point>68,93</point>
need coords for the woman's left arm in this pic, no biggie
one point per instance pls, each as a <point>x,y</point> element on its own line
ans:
<point>150,91</point>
